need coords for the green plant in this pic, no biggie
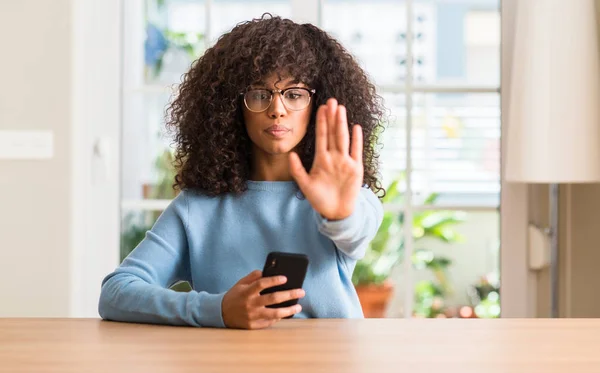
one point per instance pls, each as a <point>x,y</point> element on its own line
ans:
<point>190,42</point>
<point>387,249</point>
<point>163,188</point>
<point>138,223</point>
<point>135,230</point>
<point>485,297</point>
<point>159,38</point>
<point>429,299</point>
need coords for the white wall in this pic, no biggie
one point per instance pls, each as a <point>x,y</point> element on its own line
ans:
<point>60,72</point>
<point>35,74</point>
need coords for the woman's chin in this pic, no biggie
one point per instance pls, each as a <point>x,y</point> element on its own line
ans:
<point>278,149</point>
<point>281,151</point>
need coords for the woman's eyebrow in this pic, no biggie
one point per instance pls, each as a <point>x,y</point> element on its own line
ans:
<point>293,83</point>
<point>262,84</point>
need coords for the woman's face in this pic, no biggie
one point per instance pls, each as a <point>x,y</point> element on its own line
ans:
<point>279,128</point>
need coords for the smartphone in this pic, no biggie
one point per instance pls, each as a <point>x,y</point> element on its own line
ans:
<point>292,266</point>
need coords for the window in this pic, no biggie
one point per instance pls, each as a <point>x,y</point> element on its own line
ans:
<point>447,105</point>
<point>436,63</point>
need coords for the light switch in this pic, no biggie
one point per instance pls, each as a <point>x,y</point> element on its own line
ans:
<point>18,145</point>
<point>539,248</point>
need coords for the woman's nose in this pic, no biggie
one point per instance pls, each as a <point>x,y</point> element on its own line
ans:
<point>277,108</point>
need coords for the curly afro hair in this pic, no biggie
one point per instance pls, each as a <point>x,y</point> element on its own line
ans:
<point>213,149</point>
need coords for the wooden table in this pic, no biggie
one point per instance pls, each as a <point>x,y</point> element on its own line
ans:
<point>372,345</point>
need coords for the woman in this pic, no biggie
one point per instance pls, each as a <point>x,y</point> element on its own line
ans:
<point>276,130</point>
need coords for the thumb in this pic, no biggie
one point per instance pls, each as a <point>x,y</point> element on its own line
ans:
<point>250,278</point>
<point>298,172</point>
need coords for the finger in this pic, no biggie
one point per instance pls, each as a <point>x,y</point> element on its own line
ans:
<point>331,111</point>
<point>298,172</point>
<point>267,282</point>
<point>357,143</point>
<point>280,313</point>
<point>341,124</point>
<point>321,132</point>
<point>279,297</point>
<point>250,278</point>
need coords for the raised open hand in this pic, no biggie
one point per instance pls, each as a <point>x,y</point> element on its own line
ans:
<point>335,178</point>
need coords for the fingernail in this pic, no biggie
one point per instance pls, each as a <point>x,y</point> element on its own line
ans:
<point>282,279</point>
<point>300,293</point>
<point>298,308</point>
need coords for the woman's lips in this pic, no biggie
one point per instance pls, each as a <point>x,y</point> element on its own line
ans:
<point>277,131</point>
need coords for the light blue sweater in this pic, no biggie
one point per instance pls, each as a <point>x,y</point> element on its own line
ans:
<point>213,242</point>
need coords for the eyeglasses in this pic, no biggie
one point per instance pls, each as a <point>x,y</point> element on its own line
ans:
<point>293,98</point>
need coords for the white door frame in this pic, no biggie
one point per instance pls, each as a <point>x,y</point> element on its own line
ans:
<point>518,283</point>
<point>95,149</point>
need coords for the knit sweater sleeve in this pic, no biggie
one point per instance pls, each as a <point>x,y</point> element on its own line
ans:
<point>353,234</point>
<point>138,290</point>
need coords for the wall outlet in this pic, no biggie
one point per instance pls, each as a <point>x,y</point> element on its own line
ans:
<point>19,145</point>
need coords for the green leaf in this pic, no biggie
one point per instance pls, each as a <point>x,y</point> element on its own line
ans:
<point>381,238</point>
<point>383,254</point>
<point>157,68</point>
<point>134,233</point>
<point>436,219</point>
<point>439,263</point>
<point>182,287</point>
<point>445,234</point>
<point>430,200</point>
<point>392,192</point>
<point>189,49</point>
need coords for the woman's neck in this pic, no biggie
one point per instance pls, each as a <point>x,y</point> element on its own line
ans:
<point>269,167</point>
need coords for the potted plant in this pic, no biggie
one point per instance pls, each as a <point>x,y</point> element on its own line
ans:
<point>371,276</point>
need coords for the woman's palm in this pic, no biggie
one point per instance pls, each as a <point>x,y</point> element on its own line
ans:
<point>336,175</point>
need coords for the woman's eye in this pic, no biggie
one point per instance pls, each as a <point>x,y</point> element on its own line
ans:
<point>293,95</point>
<point>260,96</point>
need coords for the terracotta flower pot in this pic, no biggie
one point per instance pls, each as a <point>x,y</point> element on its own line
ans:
<point>374,298</point>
